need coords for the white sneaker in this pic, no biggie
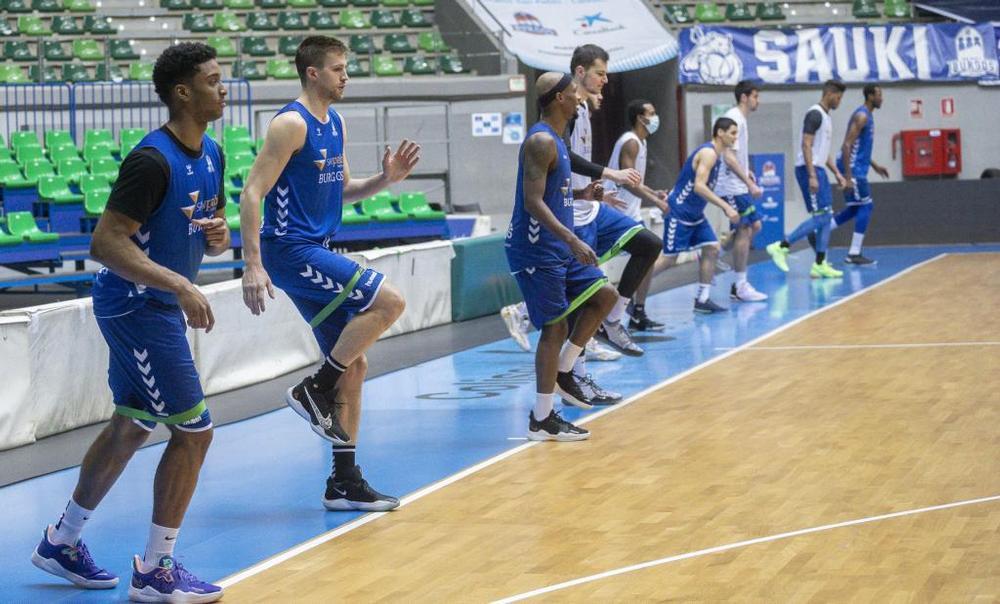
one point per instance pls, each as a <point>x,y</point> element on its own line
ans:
<point>618,336</point>
<point>599,352</point>
<point>746,293</point>
<point>517,324</point>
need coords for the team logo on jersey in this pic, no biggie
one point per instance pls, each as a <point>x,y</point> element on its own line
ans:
<point>567,198</point>
<point>190,171</point>
<point>321,163</point>
<point>319,131</point>
<point>211,166</point>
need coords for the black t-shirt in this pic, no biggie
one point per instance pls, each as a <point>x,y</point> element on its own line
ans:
<point>143,180</point>
<point>813,121</point>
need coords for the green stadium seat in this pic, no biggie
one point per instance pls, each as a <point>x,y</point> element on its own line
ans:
<point>272,4</point>
<point>385,19</point>
<point>333,3</point>
<point>232,134</point>
<point>365,3</point>
<point>397,43</point>
<point>121,50</point>
<point>292,21</point>
<point>6,238</point>
<point>739,11</point>
<point>232,215</point>
<point>289,45</point>
<point>75,72</point>
<point>66,25</point>
<point>431,41</point>
<point>54,138</point>
<point>175,4</point>
<point>55,51</point>
<point>353,19</point>
<point>99,137</point>
<point>248,70</point>
<point>17,50</point>
<point>16,6</point>
<point>5,154</point>
<point>280,69</point>
<point>23,225</point>
<point>46,6</point>
<point>12,74</point>
<point>98,24</point>
<point>226,21</point>
<point>28,153</point>
<point>451,64</point>
<point>414,17</point>
<point>302,3</point>
<point>237,147</point>
<point>207,5</point>
<point>11,176</point>
<point>79,6</point>
<point>349,214</point>
<point>770,11</point>
<point>418,65</point>
<point>72,169</point>
<point>260,22</point>
<point>55,189</point>
<point>361,44</point>
<point>106,167</point>
<point>423,2</point>
<point>708,12</point>
<point>224,46</point>
<point>37,167</point>
<point>256,46</point>
<point>897,9</point>
<point>97,150</point>
<point>140,72</point>
<point>865,9</point>
<point>62,151</point>
<point>87,50</point>
<point>109,73</point>
<point>395,3</point>
<point>417,207</point>
<point>239,4</point>
<point>677,14</point>
<point>322,20</point>
<point>386,66</point>
<point>198,23</point>
<point>96,201</point>
<point>356,69</point>
<point>23,137</point>
<point>47,75</point>
<point>380,208</point>
<point>93,182</point>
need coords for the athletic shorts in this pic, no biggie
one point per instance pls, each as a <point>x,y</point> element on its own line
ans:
<point>822,201</point>
<point>151,372</point>
<point>681,236</point>
<point>860,194</point>
<point>608,232</point>
<point>747,210</point>
<point>552,292</point>
<point>327,288</point>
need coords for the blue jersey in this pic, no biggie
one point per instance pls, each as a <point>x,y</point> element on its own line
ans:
<point>306,202</point>
<point>685,204</point>
<point>529,244</point>
<point>168,236</point>
<point>861,152</point>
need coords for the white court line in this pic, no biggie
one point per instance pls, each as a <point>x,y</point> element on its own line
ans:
<point>350,526</point>
<point>863,346</point>
<point>738,544</point>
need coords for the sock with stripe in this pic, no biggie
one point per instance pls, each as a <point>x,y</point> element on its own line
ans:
<point>329,372</point>
<point>67,530</point>
<point>343,459</point>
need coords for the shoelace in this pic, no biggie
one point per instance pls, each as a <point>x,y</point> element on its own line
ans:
<point>625,336</point>
<point>589,380</point>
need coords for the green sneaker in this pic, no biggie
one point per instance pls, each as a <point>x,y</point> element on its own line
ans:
<point>779,255</point>
<point>824,271</point>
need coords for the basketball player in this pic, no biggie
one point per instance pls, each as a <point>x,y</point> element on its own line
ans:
<point>686,228</point>
<point>304,173</point>
<point>736,186</point>
<point>555,270</point>
<point>815,184</point>
<point>165,212</point>
<point>857,148</point>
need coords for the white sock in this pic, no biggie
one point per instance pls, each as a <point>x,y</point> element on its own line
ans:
<point>67,530</point>
<point>161,543</point>
<point>741,278</point>
<point>833,223</point>
<point>703,290</point>
<point>580,366</point>
<point>616,314</point>
<point>543,405</point>
<point>522,309</point>
<point>856,240</point>
<point>568,356</point>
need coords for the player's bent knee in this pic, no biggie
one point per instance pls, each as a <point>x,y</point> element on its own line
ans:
<point>755,227</point>
<point>199,440</point>
<point>391,301</point>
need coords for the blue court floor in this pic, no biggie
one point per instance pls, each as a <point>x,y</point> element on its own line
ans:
<point>261,487</point>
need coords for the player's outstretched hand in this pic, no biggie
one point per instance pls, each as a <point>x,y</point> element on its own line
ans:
<point>397,166</point>
<point>628,176</point>
<point>196,308</point>
<point>881,171</point>
<point>256,283</point>
<point>582,251</point>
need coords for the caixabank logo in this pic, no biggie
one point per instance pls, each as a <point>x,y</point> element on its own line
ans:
<point>597,23</point>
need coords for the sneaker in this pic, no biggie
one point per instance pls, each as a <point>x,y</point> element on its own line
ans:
<point>169,582</point>
<point>516,325</point>
<point>619,337</point>
<point>708,307</point>
<point>554,427</point>
<point>596,394</point>
<point>779,255</point>
<point>721,266</point>
<point>825,271</point>
<point>71,562</point>
<point>746,293</point>
<point>569,389</point>
<point>599,352</point>
<point>352,492</point>
<point>858,260</point>
<point>640,321</point>
<point>319,409</point>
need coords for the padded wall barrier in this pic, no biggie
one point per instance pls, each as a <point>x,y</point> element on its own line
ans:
<point>481,282</point>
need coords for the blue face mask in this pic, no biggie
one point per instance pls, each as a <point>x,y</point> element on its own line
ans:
<point>653,125</point>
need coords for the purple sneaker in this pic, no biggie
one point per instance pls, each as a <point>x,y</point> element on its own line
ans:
<point>71,562</point>
<point>169,582</point>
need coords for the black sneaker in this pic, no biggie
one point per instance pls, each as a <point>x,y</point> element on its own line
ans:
<point>571,392</point>
<point>600,396</point>
<point>554,427</point>
<point>639,321</point>
<point>859,260</point>
<point>319,409</point>
<point>708,307</point>
<point>352,492</point>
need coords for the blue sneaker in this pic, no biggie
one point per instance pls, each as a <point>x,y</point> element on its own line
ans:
<point>169,582</point>
<point>71,562</point>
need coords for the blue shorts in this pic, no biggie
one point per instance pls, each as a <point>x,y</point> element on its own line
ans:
<point>747,210</point>
<point>608,232</point>
<point>151,372</point>
<point>552,292</point>
<point>681,236</point>
<point>327,288</point>
<point>860,194</point>
<point>822,201</point>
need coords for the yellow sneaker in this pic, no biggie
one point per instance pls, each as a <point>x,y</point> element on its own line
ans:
<point>824,271</point>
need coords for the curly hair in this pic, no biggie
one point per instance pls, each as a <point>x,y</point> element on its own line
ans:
<point>177,65</point>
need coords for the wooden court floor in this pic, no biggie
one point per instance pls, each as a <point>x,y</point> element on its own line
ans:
<point>886,403</point>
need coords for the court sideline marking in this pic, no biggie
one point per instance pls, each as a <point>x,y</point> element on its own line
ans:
<point>738,544</point>
<point>863,346</point>
<point>420,494</point>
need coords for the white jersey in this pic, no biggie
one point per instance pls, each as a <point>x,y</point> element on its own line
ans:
<point>821,141</point>
<point>729,183</point>
<point>634,202</point>
<point>581,142</point>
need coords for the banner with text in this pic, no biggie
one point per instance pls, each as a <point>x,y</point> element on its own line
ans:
<point>932,52</point>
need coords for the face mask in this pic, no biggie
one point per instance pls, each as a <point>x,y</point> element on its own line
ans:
<point>653,125</point>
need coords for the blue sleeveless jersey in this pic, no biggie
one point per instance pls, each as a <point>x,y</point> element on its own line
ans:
<point>861,152</point>
<point>306,202</point>
<point>685,204</point>
<point>168,237</point>
<point>528,243</point>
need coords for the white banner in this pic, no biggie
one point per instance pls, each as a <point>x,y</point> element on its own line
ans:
<point>543,33</point>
